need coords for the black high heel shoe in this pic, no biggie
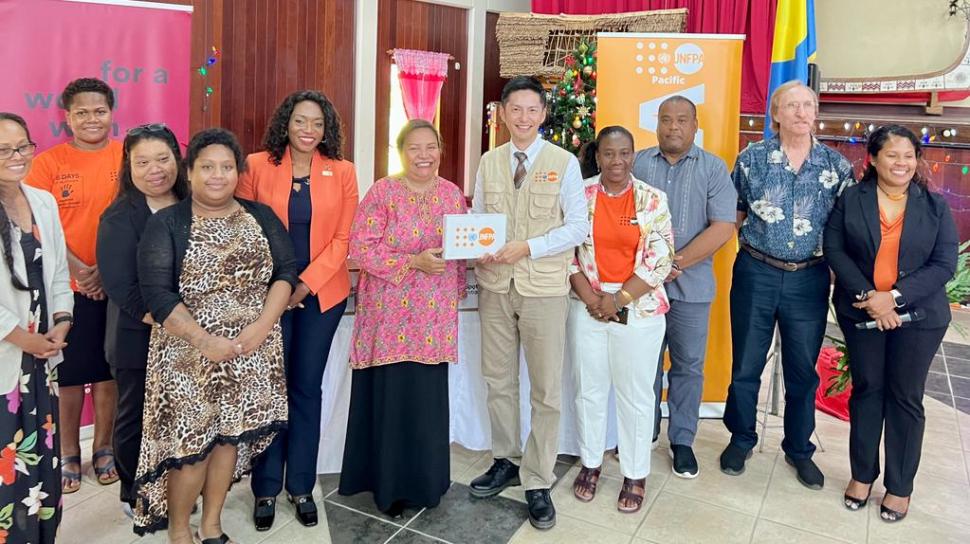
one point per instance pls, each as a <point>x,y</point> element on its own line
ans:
<point>264,513</point>
<point>855,504</point>
<point>306,509</point>
<point>891,516</point>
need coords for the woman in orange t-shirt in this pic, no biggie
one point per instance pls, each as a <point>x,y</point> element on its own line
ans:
<point>82,174</point>
<point>892,244</point>
<point>617,313</point>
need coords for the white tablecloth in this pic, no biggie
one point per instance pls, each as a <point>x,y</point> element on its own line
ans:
<point>466,391</point>
<point>469,415</point>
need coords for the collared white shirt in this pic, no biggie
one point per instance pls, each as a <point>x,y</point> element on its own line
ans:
<point>572,200</point>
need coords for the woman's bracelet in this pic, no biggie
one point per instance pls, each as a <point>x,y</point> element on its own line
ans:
<point>617,305</point>
<point>629,297</point>
<point>62,318</point>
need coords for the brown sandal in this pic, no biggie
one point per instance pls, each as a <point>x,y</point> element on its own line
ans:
<point>631,492</point>
<point>584,486</point>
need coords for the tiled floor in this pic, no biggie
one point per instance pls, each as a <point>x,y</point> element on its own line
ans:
<point>764,505</point>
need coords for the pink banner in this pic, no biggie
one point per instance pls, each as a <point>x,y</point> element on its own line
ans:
<point>141,49</point>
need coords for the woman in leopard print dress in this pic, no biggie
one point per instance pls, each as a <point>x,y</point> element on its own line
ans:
<point>216,272</point>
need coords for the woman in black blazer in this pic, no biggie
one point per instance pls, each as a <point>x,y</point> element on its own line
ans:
<point>151,177</point>
<point>892,244</point>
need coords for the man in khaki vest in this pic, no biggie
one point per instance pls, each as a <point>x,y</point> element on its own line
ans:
<point>522,296</point>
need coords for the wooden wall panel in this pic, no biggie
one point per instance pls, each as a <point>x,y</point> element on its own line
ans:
<point>270,48</point>
<point>492,81</point>
<point>410,24</point>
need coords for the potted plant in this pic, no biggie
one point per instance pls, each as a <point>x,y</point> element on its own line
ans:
<point>958,288</point>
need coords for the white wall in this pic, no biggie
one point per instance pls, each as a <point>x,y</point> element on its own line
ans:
<point>365,68</point>
<point>881,38</point>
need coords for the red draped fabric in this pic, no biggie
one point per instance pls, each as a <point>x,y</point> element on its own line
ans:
<point>753,18</point>
<point>422,74</point>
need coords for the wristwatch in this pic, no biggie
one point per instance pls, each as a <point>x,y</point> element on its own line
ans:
<point>897,298</point>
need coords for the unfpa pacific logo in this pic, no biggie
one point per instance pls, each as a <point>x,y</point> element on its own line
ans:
<point>486,236</point>
<point>468,237</point>
<point>688,59</point>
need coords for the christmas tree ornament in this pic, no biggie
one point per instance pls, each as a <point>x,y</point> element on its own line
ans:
<point>571,120</point>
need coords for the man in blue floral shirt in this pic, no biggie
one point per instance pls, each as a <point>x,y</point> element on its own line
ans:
<point>786,187</point>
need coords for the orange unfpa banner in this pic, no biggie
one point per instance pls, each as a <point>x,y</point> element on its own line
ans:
<point>636,72</point>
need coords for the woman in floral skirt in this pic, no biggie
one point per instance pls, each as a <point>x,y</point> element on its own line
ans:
<point>35,315</point>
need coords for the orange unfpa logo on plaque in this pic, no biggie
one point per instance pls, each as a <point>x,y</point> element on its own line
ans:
<point>486,236</point>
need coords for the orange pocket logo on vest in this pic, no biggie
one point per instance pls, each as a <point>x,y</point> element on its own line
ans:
<point>546,177</point>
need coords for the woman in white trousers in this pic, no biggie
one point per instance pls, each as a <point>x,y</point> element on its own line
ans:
<point>616,314</point>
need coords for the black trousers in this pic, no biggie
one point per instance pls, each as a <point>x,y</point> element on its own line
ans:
<point>291,458</point>
<point>128,423</point>
<point>889,372</point>
<point>761,296</point>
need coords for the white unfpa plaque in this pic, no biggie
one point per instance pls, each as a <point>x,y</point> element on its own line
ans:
<point>471,235</point>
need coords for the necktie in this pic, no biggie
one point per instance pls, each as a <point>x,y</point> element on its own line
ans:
<point>520,169</point>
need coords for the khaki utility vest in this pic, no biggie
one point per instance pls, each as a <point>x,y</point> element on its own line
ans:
<point>532,210</point>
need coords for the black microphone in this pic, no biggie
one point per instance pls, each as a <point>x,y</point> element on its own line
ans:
<point>911,316</point>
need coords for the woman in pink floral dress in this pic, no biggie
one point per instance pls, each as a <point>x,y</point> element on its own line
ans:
<point>406,327</point>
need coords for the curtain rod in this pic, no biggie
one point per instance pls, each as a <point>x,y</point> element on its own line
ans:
<point>391,52</point>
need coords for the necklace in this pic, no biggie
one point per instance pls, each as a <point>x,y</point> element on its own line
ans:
<point>611,193</point>
<point>891,196</point>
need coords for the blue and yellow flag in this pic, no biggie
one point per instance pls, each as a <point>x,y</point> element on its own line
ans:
<point>793,47</point>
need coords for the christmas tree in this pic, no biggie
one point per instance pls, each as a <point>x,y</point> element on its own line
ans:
<point>572,106</point>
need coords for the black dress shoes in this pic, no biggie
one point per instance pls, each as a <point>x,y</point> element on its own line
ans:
<point>395,510</point>
<point>306,509</point>
<point>733,459</point>
<point>264,513</point>
<point>542,513</point>
<point>808,473</point>
<point>503,474</point>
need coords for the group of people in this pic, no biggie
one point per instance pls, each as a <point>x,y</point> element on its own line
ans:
<point>200,293</point>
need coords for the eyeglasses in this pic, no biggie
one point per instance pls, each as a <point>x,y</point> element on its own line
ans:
<point>26,150</point>
<point>804,106</point>
<point>150,128</point>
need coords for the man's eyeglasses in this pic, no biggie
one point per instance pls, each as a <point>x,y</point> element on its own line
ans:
<point>150,128</point>
<point>26,150</point>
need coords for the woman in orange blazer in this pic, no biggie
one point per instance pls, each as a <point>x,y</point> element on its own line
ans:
<point>303,177</point>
